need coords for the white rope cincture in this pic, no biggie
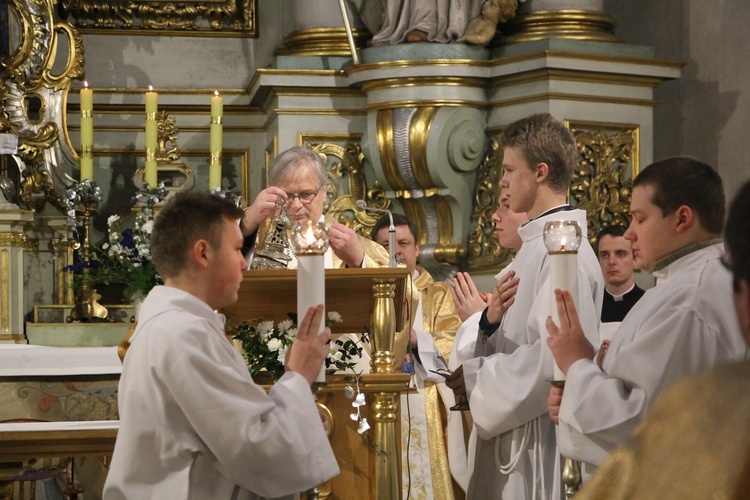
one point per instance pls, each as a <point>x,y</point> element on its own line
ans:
<point>537,462</point>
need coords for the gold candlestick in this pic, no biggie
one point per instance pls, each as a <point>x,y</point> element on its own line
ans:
<point>571,469</point>
<point>87,307</point>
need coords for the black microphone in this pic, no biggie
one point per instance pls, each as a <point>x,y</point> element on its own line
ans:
<point>361,206</point>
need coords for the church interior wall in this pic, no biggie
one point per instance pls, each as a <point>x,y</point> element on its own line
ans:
<point>705,113</point>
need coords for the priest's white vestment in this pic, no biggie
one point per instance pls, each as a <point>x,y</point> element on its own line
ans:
<point>194,425</point>
<point>685,324</point>
<point>516,454</point>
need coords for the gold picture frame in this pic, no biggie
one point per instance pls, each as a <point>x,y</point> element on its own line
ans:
<point>231,18</point>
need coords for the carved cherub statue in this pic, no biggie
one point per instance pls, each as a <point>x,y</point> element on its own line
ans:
<point>480,29</point>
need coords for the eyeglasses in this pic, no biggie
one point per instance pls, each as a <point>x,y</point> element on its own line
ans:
<point>304,198</point>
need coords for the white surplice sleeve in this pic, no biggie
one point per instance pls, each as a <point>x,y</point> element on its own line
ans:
<point>600,409</point>
<point>273,445</point>
<point>512,388</point>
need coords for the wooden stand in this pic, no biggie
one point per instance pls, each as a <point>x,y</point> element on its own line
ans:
<point>371,299</point>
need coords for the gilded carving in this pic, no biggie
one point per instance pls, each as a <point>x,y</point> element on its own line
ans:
<point>232,17</point>
<point>347,184</point>
<point>603,181</point>
<point>5,295</point>
<point>18,240</point>
<point>485,251</point>
<point>30,77</point>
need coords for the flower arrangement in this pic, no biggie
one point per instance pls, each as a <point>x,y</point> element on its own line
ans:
<point>128,256</point>
<point>125,258</point>
<point>265,345</point>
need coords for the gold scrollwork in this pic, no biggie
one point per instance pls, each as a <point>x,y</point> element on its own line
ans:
<point>31,76</point>
<point>227,17</point>
<point>485,251</point>
<point>347,183</point>
<point>18,240</point>
<point>603,181</point>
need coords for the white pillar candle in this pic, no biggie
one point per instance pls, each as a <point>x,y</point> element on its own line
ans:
<point>311,291</point>
<point>563,275</point>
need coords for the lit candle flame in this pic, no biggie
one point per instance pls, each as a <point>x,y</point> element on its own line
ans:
<point>309,235</point>
<point>216,93</point>
<point>85,84</point>
<point>150,88</point>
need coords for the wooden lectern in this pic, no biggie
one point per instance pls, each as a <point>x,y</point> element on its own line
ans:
<point>371,299</point>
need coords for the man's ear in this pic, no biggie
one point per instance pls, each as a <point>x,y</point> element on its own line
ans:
<point>542,172</point>
<point>685,218</point>
<point>200,253</point>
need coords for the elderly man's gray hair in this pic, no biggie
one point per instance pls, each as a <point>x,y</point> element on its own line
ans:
<point>287,162</point>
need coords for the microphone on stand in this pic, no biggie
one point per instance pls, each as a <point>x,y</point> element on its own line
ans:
<point>361,206</point>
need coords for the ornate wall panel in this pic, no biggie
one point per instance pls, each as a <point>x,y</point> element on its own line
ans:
<point>199,17</point>
<point>607,164</point>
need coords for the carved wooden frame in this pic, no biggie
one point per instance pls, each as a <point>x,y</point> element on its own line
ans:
<point>186,17</point>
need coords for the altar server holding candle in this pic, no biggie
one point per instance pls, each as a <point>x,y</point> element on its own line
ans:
<point>193,424</point>
<point>516,452</point>
<point>683,325</point>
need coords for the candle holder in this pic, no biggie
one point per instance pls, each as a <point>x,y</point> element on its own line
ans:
<point>310,242</point>
<point>562,240</point>
<point>310,238</point>
<point>83,199</point>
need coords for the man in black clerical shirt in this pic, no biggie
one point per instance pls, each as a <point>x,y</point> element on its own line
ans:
<point>616,259</point>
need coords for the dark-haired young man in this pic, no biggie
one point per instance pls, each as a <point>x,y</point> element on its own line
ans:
<point>682,325</point>
<point>695,442</point>
<point>193,424</point>
<point>616,259</point>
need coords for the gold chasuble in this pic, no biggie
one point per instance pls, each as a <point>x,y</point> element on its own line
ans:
<point>440,319</point>
<point>695,443</point>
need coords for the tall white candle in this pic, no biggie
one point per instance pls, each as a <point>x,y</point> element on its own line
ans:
<point>311,291</point>
<point>563,275</point>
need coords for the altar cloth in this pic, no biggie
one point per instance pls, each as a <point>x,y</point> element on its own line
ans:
<point>21,360</point>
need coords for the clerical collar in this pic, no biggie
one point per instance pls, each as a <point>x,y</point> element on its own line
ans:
<point>680,253</point>
<point>554,210</point>
<point>621,297</point>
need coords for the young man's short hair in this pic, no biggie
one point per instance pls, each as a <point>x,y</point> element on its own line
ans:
<point>686,181</point>
<point>615,230</point>
<point>185,218</point>
<point>541,138</point>
<point>398,220</point>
